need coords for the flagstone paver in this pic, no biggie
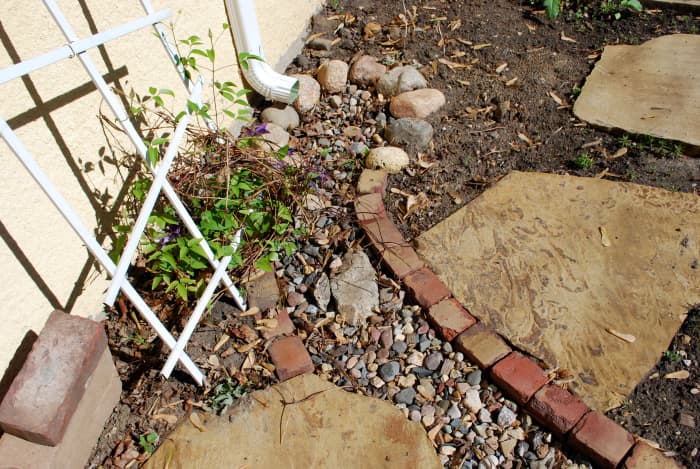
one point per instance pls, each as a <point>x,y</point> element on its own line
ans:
<point>651,89</point>
<point>304,422</point>
<point>553,263</point>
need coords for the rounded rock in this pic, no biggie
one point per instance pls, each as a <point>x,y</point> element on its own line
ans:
<point>432,361</point>
<point>388,371</point>
<point>391,159</point>
<point>333,76</point>
<point>405,396</point>
<point>366,70</point>
<point>505,417</point>
<point>418,103</point>
<point>309,93</point>
<point>399,80</point>
<point>284,116</point>
<point>273,139</point>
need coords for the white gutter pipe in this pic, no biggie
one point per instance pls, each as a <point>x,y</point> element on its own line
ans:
<point>246,35</point>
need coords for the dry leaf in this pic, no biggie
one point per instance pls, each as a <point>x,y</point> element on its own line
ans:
<point>423,161</point>
<point>314,36</point>
<point>463,82</point>
<point>501,67</point>
<point>169,418</point>
<point>454,24</point>
<point>512,81</point>
<point>464,41</point>
<point>197,422</point>
<point>602,174</point>
<point>455,197</point>
<point>556,98</point>
<point>244,332</point>
<point>249,346</point>
<point>682,374</point>
<point>525,138</point>
<point>619,153</point>
<point>222,341</point>
<point>531,27</point>
<point>453,65</point>
<point>266,324</point>
<point>371,29</point>
<point>458,54</point>
<point>566,38</point>
<point>416,202</point>
<point>482,46</point>
<point>213,360</point>
<point>433,432</point>
<point>249,361</point>
<point>604,238</point>
<point>251,312</point>
<point>626,337</point>
<point>651,443</point>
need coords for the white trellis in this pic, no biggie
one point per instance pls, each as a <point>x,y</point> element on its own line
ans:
<point>78,47</point>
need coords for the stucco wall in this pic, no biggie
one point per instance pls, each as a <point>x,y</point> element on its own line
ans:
<point>54,112</point>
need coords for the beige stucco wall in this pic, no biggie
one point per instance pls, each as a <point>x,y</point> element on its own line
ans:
<point>43,263</point>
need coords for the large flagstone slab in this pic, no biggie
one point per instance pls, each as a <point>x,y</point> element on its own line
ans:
<point>554,262</point>
<point>322,426</point>
<point>651,89</point>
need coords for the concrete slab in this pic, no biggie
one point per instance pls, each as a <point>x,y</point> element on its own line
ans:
<point>651,89</point>
<point>322,426</point>
<point>554,262</point>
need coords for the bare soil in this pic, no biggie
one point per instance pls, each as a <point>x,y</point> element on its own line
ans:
<point>497,119</point>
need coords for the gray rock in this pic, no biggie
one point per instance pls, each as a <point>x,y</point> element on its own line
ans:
<point>335,101</point>
<point>320,43</point>
<point>453,412</point>
<point>274,139</point>
<point>505,417</point>
<point>354,288</point>
<point>484,415</point>
<point>410,132</point>
<point>399,80</point>
<point>366,70</point>
<point>388,371</point>
<point>521,448</point>
<point>322,291</point>
<point>309,93</point>
<point>333,76</point>
<point>405,396</point>
<point>432,361</point>
<point>284,116</point>
<point>358,149</point>
<point>399,347</point>
<point>474,378</point>
<point>381,119</point>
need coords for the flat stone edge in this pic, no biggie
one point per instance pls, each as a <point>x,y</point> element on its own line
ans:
<point>549,416</point>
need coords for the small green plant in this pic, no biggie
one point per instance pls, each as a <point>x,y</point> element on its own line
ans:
<point>583,161</point>
<point>673,356</point>
<point>147,442</point>
<point>610,9</point>
<point>225,394</point>
<point>625,141</point>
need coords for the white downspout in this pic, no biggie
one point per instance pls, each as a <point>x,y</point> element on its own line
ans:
<point>246,35</point>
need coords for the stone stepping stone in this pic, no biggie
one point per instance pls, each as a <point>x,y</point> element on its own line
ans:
<point>651,89</point>
<point>322,426</point>
<point>559,264</point>
<point>681,6</point>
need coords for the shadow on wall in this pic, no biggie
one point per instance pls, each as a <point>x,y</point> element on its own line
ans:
<point>106,206</point>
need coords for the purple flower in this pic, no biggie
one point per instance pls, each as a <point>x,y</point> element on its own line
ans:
<point>257,131</point>
<point>173,232</point>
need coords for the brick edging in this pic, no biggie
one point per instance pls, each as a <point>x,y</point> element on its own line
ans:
<point>588,431</point>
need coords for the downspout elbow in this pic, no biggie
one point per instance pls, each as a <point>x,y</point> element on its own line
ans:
<point>246,36</point>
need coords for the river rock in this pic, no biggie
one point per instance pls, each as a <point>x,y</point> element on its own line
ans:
<point>409,132</point>
<point>284,116</point>
<point>418,103</point>
<point>399,80</point>
<point>322,292</point>
<point>273,139</point>
<point>391,159</point>
<point>333,76</point>
<point>309,93</point>
<point>354,288</point>
<point>366,70</point>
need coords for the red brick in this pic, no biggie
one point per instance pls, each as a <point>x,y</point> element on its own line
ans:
<point>102,392</point>
<point>263,292</point>
<point>601,439</point>
<point>450,319</point>
<point>45,393</point>
<point>369,208</point>
<point>284,325</point>
<point>397,254</point>
<point>644,456</point>
<point>481,345</point>
<point>290,357</point>
<point>372,181</point>
<point>427,289</point>
<point>557,408</point>
<point>519,376</point>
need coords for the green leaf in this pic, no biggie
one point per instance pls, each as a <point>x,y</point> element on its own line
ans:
<point>264,264</point>
<point>166,91</point>
<point>552,8</point>
<point>181,291</point>
<point>157,280</point>
<point>211,55</point>
<point>633,4</point>
<point>153,90</point>
<point>198,52</point>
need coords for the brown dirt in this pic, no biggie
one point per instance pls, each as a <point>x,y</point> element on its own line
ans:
<point>487,128</point>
